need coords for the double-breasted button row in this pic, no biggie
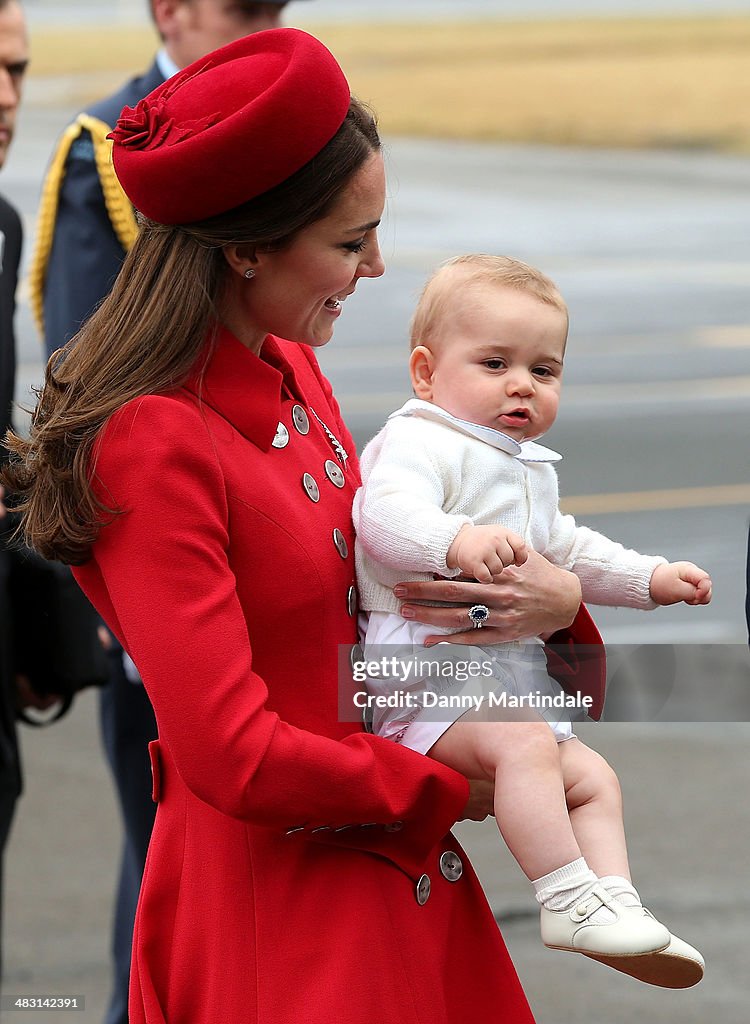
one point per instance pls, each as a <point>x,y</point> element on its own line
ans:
<point>313,491</point>
<point>301,423</point>
<point>451,868</point>
<point>393,826</point>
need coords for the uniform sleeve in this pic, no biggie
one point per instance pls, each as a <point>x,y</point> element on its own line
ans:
<point>173,603</point>
<point>610,574</point>
<point>398,513</point>
<point>86,256</point>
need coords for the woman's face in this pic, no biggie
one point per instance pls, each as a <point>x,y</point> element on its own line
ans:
<point>298,292</point>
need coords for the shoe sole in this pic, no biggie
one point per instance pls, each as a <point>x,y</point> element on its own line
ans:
<point>665,970</point>
<point>609,956</point>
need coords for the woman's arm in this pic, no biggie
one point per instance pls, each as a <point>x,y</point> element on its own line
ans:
<point>163,580</point>
<point>535,599</point>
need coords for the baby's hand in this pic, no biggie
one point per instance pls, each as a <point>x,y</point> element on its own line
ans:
<point>484,551</point>
<point>680,581</point>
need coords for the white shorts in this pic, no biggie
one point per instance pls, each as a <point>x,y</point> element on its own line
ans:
<point>422,709</point>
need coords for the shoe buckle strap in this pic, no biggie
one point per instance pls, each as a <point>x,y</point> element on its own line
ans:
<point>593,900</point>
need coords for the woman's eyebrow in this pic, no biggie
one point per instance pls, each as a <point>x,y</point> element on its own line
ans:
<point>364,227</point>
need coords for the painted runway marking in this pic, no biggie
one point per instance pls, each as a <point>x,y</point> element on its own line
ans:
<point>650,501</point>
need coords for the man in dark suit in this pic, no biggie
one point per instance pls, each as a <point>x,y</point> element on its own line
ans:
<point>13,61</point>
<point>85,227</point>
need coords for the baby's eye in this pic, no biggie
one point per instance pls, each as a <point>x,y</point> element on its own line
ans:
<point>542,371</point>
<point>494,364</point>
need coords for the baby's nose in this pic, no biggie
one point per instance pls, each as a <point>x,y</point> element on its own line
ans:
<point>519,382</point>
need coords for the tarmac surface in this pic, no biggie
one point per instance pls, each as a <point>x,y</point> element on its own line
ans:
<point>651,250</point>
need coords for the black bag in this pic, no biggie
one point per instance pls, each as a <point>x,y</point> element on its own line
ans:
<point>56,642</point>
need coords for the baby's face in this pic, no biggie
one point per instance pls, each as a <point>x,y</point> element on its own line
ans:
<point>498,361</point>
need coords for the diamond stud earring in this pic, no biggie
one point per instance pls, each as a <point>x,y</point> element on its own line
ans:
<point>249,273</point>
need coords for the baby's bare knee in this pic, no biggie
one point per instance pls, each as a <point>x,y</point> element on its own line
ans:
<point>607,784</point>
<point>597,780</point>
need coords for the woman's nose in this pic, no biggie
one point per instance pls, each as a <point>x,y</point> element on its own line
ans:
<point>372,264</point>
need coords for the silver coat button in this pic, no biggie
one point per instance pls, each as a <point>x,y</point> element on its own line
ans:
<point>297,828</point>
<point>300,420</point>
<point>311,488</point>
<point>281,439</point>
<point>321,828</point>
<point>356,654</point>
<point>423,890</point>
<point>351,600</point>
<point>334,473</point>
<point>451,866</point>
<point>340,541</point>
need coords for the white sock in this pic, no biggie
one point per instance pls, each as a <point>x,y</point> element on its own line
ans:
<point>562,888</point>
<point>622,890</point>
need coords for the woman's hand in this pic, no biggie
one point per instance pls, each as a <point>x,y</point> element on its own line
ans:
<point>481,800</point>
<point>534,599</point>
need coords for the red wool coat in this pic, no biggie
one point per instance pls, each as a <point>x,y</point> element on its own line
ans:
<point>281,882</point>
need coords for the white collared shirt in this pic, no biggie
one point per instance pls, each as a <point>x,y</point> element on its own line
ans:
<point>165,64</point>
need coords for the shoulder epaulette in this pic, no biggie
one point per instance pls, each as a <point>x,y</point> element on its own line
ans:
<point>118,206</point>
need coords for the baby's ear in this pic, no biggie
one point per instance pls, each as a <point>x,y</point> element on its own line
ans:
<point>421,363</point>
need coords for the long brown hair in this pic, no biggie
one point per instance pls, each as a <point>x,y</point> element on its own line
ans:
<point>146,336</point>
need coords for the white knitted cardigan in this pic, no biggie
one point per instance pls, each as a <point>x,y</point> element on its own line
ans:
<point>427,474</point>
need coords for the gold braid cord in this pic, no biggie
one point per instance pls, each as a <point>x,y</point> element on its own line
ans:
<point>118,205</point>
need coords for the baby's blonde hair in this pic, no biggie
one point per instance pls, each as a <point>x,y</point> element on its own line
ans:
<point>477,268</point>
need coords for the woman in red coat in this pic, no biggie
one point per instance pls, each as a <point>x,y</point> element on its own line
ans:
<point>194,466</point>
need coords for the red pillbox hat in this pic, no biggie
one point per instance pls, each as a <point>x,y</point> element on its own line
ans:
<point>230,126</point>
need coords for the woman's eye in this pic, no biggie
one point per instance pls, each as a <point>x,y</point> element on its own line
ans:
<point>356,246</point>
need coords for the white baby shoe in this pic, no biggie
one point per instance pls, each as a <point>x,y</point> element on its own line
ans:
<point>622,933</point>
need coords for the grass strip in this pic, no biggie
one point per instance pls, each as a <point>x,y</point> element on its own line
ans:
<point>628,82</point>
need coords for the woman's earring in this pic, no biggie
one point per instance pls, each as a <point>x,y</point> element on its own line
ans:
<point>249,273</point>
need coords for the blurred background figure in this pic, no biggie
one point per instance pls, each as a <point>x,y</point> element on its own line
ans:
<point>14,55</point>
<point>85,227</point>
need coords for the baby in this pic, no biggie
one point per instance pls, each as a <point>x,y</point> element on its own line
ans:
<point>455,484</point>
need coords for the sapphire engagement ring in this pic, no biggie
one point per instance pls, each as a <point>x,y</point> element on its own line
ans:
<point>479,613</point>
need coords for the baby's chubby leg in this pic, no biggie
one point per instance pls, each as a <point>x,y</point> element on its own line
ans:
<point>521,757</point>
<point>594,800</point>
<point>534,780</point>
<point>595,805</point>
